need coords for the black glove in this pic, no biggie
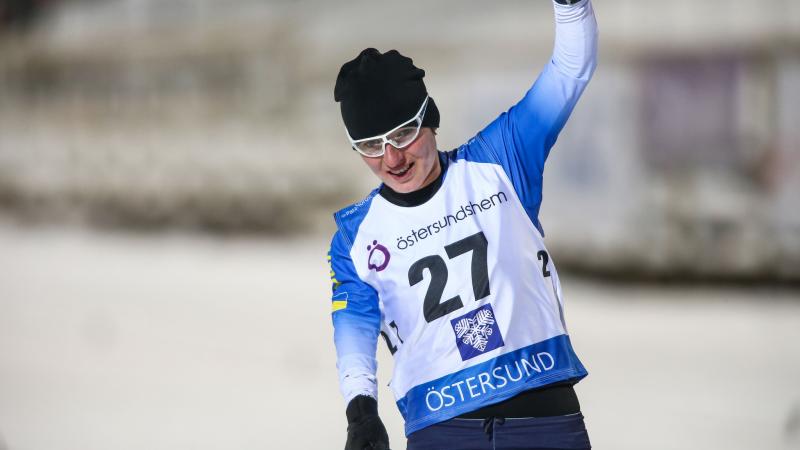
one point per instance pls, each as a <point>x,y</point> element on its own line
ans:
<point>365,431</point>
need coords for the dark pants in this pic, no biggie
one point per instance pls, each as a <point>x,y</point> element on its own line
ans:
<point>534,433</point>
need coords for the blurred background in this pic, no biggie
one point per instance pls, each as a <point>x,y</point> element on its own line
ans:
<point>168,169</point>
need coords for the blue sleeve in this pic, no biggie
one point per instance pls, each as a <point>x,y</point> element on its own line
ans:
<point>520,139</point>
<point>356,321</point>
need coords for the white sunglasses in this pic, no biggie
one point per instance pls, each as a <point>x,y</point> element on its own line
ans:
<point>399,137</point>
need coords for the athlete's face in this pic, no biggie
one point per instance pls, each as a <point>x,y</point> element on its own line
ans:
<point>411,168</point>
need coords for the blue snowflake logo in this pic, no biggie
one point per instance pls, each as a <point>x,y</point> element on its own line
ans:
<point>477,332</point>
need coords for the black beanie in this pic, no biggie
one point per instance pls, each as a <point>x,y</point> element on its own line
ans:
<point>380,91</point>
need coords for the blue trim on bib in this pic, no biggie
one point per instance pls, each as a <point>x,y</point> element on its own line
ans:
<point>493,381</point>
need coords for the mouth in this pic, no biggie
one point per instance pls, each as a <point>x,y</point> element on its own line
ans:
<point>402,173</point>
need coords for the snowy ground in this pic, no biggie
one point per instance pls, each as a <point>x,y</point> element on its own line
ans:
<point>172,342</point>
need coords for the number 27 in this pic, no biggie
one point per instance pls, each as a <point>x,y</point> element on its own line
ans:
<point>433,308</point>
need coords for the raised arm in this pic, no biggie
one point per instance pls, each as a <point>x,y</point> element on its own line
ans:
<point>520,139</point>
<point>575,50</point>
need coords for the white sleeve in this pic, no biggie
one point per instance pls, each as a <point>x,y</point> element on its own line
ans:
<point>575,51</point>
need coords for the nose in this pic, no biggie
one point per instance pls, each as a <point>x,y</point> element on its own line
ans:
<point>393,157</point>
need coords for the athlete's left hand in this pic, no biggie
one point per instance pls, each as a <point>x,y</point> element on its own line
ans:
<point>365,431</point>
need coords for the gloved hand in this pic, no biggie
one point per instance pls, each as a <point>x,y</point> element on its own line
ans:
<point>365,431</point>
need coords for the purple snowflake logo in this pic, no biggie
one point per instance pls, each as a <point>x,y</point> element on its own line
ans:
<point>378,257</point>
<point>477,332</point>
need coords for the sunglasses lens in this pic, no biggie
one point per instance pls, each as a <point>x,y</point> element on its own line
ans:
<point>403,136</point>
<point>372,147</point>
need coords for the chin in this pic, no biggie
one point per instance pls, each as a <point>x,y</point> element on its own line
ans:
<point>403,188</point>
